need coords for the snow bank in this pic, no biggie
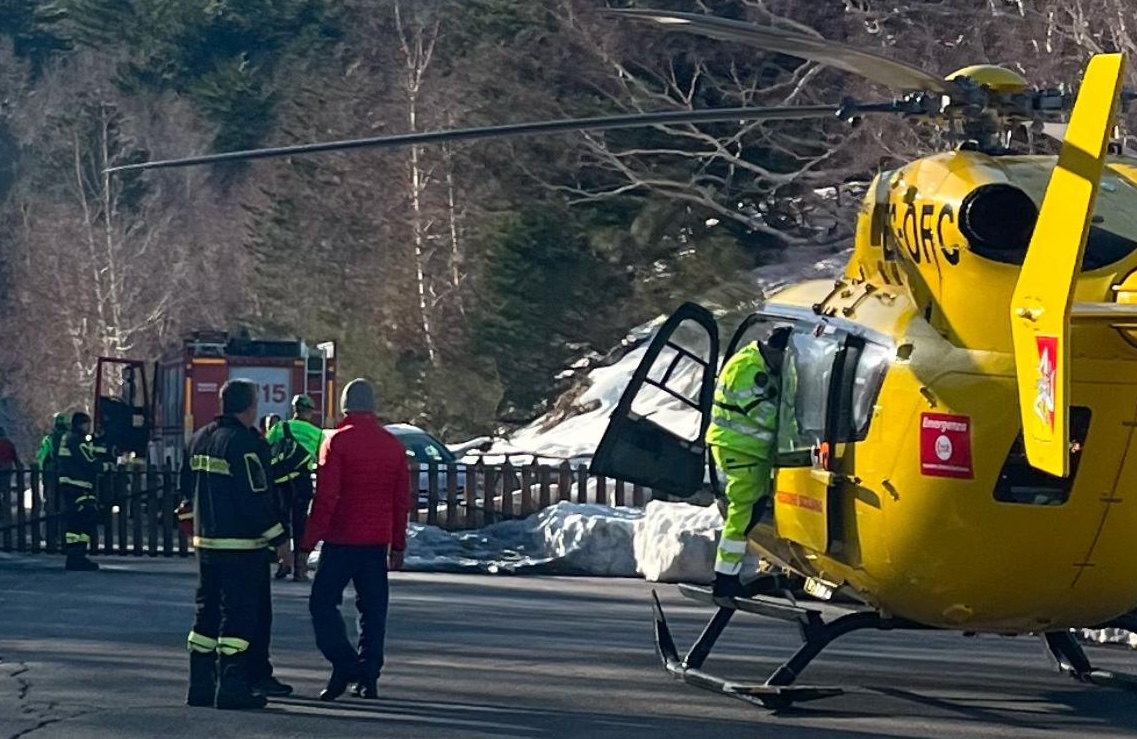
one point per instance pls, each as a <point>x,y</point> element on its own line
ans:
<point>675,542</point>
<point>1107,636</point>
<point>666,542</point>
<point>564,539</point>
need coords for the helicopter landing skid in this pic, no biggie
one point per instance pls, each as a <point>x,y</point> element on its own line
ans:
<point>779,691</point>
<point>1071,660</point>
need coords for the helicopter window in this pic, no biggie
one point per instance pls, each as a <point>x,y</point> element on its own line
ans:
<point>806,384</point>
<point>806,370</point>
<point>1020,483</point>
<point>871,368</point>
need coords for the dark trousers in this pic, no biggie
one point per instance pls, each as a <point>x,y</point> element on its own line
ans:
<point>259,665</point>
<point>293,500</point>
<point>366,569</point>
<point>81,517</point>
<point>229,599</point>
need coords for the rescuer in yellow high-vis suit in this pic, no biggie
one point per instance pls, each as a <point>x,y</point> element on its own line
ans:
<point>743,440</point>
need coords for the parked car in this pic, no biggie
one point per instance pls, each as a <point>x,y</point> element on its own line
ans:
<point>425,449</point>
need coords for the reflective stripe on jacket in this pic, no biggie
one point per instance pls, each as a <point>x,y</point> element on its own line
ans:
<point>225,470</point>
<point>744,416</point>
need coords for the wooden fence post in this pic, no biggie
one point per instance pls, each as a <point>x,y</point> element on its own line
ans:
<point>452,496</point>
<point>507,495</point>
<point>7,495</point>
<point>138,493</point>
<point>21,514</point>
<point>564,482</point>
<point>472,487</point>
<point>432,493</point>
<point>528,475</point>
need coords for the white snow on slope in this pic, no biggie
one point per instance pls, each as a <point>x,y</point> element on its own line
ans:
<point>577,436</point>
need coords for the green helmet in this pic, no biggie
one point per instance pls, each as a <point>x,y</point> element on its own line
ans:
<point>302,403</point>
<point>62,422</point>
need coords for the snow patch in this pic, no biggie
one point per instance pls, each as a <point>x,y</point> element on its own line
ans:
<point>666,542</point>
<point>676,542</point>
<point>564,539</point>
<point>1107,636</point>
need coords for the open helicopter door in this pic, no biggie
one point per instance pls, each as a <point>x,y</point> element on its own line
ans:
<point>655,434</point>
<point>816,434</point>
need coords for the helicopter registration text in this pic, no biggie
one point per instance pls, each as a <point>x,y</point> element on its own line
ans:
<point>945,446</point>
<point>920,231</point>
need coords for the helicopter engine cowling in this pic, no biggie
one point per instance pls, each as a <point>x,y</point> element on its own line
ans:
<point>998,219</point>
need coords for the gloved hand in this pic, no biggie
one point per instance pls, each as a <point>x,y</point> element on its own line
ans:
<point>727,586</point>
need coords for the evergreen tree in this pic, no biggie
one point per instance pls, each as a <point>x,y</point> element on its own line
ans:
<point>547,292</point>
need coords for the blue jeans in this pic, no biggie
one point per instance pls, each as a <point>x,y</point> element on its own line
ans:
<point>366,569</point>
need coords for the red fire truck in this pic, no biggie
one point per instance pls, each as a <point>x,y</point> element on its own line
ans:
<point>186,381</point>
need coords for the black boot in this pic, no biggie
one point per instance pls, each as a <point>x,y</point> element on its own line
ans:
<point>202,679</point>
<point>77,559</point>
<point>270,687</point>
<point>341,677</point>
<point>233,691</point>
<point>367,689</point>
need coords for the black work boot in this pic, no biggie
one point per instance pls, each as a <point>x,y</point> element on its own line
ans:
<point>342,676</point>
<point>270,687</point>
<point>202,679</point>
<point>77,559</point>
<point>367,689</point>
<point>233,691</point>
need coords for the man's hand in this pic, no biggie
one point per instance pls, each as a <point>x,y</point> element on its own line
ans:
<point>395,560</point>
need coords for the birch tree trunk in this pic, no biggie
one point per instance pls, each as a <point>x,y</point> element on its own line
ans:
<point>418,47</point>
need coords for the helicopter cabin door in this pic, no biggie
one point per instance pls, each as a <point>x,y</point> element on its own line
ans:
<point>655,434</point>
<point>816,435</point>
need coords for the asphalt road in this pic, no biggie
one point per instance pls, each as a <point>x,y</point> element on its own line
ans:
<point>102,655</point>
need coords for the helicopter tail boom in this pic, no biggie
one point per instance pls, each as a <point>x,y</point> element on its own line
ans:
<point>1042,307</point>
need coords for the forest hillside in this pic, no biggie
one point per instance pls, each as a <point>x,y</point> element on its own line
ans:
<point>460,278</point>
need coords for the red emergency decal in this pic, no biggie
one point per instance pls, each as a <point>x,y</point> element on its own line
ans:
<point>1046,388</point>
<point>800,501</point>
<point>945,446</point>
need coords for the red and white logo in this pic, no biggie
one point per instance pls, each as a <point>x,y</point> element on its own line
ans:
<point>1046,386</point>
<point>945,446</point>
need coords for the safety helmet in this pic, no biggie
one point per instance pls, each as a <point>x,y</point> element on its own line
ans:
<point>302,403</point>
<point>61,421</point>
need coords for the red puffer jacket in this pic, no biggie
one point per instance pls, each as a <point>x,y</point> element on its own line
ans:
<point>362,488</point>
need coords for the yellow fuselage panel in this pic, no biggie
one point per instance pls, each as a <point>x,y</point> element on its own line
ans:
<point>943,550</point>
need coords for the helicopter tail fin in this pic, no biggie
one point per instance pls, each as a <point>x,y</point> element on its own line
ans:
<point>1041,308</point>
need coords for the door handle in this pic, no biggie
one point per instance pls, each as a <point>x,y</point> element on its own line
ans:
<point>827,478</point>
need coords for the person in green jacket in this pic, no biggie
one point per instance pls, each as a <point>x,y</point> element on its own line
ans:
<point>743,441</point>
<point>296,447</point>
<point>49,447</point>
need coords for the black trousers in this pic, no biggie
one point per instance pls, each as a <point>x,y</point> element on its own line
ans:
<point>233,600</point>
<point>293,500</point>
<point>259,665</point>
<point>81,516</point>
<point>366,569</point>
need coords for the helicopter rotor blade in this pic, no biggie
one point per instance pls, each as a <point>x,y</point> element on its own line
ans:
<point>527,129</point>
<point>1057,131</point>
<point>873,67</point>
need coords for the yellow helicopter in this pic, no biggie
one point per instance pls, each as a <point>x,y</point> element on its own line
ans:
<point>966,394</point>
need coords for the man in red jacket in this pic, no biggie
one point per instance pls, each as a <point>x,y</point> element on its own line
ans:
<point>359,512</point>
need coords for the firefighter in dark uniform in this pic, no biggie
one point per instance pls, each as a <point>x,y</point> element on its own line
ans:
<point>81,459</point>
<point>235,524</point>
